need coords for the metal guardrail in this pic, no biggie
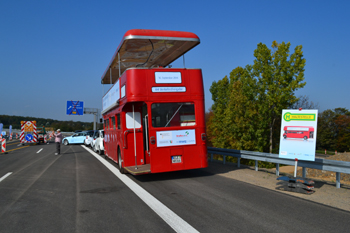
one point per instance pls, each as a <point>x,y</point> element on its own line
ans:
<point>320,164</point>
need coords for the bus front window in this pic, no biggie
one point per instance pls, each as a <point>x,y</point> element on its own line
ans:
<point>173,114</point>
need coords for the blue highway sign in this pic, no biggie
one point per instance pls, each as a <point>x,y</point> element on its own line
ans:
<point>75,107</point>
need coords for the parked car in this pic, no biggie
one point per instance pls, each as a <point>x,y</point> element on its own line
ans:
<point>77,138</point>
<point>89,137</point>
<point>98,142</point>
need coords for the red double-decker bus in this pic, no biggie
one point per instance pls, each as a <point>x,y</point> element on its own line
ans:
<point>304,132</point>
<point>153,114</point>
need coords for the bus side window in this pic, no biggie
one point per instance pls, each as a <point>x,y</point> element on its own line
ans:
<point>113,122</point>
<point>118,121</point>
<point>133,122</point>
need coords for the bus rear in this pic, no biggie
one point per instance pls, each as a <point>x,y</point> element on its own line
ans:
<point>156,121</point>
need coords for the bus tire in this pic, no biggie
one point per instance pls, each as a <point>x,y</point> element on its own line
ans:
<point>120,166</point>
<point>284,136</point>
<point>305,138</point>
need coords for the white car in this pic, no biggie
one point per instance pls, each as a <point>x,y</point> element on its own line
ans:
<point>89,137</point>
<point>77,138</point>
<point>98,143</point>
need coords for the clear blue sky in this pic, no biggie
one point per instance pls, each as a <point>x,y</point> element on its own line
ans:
<point>54,51</point>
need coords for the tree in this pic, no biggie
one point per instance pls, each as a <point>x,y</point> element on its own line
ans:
<point>304,103</point>
<point>247,106</point>
<point>343,137</point>
<point>278,77</point>
<point>333,131</point>
<point>220,93</point>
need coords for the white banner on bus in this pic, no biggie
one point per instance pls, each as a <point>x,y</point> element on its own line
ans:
<point>168,77</point>
<point>111,97</point>
<point>176,138</point>
<point>168,89</point>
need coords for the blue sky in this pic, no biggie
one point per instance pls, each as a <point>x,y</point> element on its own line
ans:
<point>54,51</point>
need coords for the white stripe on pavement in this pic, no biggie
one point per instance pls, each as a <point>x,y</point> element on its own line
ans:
<point>172,219</point>
<point>5,176</point>
<point>39,151</point>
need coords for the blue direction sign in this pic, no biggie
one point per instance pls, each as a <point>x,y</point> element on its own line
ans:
<point>75,107</point>
<point>29,137</point>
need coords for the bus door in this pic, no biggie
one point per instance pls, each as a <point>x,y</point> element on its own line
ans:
<point>133,136</point>
<point>311,134</point>
<point>145,126</point>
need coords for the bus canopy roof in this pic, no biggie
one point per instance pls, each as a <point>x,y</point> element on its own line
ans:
<point>148,48</point>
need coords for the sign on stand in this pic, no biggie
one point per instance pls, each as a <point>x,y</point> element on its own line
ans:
<point>298,134</point>
<point>75,107</point>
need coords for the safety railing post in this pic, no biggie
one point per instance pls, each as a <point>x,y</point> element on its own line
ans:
<point>277,169</point>
<point>256,165</point>
<point>211,157</point>
<point>224,159</point>
<point>337,176</point>
<point>304,172</point>
<point>239,162</point>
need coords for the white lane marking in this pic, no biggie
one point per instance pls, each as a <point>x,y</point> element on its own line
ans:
<point>173,220</point>
<point>39,151</point>
<point>5,176</point>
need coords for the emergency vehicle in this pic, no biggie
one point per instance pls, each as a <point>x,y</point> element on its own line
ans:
<point>28,132</point>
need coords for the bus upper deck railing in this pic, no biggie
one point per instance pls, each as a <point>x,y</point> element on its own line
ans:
<point>320,164</point>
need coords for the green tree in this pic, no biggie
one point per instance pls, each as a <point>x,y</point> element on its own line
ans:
<point>333,130</point>
<point>220,93</point>
<point>279,76</point>
<point>247,107</point>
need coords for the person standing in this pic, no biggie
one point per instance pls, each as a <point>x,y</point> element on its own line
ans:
<point>58,141</point>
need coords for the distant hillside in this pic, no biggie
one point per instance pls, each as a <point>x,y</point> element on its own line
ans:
<point>65,126</point>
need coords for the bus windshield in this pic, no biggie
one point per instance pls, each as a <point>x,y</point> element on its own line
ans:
<point>173,114</point>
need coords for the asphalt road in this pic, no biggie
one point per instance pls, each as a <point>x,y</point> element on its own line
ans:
<point>76,192</point>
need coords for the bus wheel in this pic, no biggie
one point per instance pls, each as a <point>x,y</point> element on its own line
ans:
<point>121,169</point>
<point>305,138</point>
<point>284,136</point>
